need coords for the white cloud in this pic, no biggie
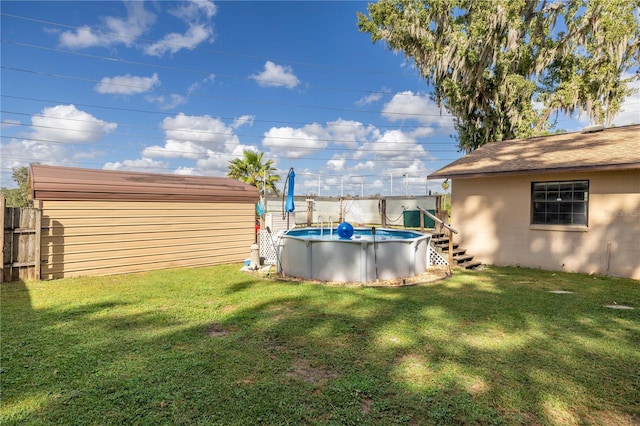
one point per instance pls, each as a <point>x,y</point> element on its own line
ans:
<point>295,143</point>
<point>241,121</point>
<point>369,99</point>
<point>198,84</point>
<point>114,30</point>
<point>537,106</point>
<point>194,10</point>
<point>140,165</point>
<point>337,163</point>
<point>174,42</point>
<point>9,123</point>
<point>127,84</point>
<point>65,123</point>
<point>630,109</point>
<point>217,163</point>
<point>197,15</point>
<point>18,152</point>
<point>167,102</point>
<point>214,164</point>
<point>83,37</point>
<point>420,132</point>
<point>207,131</point>
<point>87,155</point>
<point>276,76</point>
<point>176,149</point>
<point>47,143</point>
<point>409,106</point>
<point>408,175</point>
<point>372,98</point>
<point>378,184</point>
<point>206,139</point>
<point>365,166</point>
<point>185,171</point>
<point>348,132</point>
<point>137,22</point>
<point>395,145</point>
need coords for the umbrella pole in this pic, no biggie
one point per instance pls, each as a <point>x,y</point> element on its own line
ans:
<point>275,248</point>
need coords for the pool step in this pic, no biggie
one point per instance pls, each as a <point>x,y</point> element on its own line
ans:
<point>440,242</point>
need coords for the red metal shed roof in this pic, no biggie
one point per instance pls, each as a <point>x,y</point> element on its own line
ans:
<point>67,183</point>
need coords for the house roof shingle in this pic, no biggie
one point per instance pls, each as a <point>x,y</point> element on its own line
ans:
<point>614,148</point>
<point>67,183</point>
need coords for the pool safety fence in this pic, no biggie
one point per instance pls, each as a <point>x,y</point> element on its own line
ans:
<point>376,211</point>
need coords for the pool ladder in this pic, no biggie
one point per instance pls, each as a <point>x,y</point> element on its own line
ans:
<point>321,221</point>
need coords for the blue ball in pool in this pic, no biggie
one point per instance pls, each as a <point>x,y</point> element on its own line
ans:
<point>345,230</point>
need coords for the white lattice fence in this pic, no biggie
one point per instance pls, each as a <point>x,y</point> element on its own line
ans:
<point>268,243</point>
<point>437,259</point>
<point>276,222</point>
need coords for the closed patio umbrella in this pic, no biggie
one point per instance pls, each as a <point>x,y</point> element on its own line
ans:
<point>289,186</point>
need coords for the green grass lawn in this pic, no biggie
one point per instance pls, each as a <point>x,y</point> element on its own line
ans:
<point>218,346</point>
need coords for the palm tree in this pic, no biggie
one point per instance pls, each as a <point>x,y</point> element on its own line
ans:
<point>250,169</point>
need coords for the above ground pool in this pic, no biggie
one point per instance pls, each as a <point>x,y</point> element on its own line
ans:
<point>357,256</point>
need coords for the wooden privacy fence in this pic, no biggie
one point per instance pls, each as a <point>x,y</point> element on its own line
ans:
<point>20,242</point>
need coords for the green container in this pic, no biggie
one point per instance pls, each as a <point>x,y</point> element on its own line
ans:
<point>412,219</point>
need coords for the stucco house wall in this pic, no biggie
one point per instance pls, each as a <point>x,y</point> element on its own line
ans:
<point>493,215</point>
<point>492,203</point>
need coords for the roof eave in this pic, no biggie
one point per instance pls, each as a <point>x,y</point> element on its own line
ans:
<point>443,174</point>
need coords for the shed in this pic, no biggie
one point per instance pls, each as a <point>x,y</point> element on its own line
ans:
<point>101,222</point>
<point>561,202</point>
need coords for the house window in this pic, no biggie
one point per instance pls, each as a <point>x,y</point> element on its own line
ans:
<point>559,203</point>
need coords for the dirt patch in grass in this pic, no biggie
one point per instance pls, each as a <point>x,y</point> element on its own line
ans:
<point>365,405</point>
<point>228,308</point>
<point>316,375</point>
<point>217,330</point>
<point>612,418</point>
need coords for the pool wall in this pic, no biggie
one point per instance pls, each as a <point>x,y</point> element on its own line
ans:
<point>353,260</point>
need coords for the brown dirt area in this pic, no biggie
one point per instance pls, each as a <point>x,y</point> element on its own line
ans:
<point>434,273</point>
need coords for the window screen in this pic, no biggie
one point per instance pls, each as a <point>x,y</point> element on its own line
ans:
<point>561,203</point>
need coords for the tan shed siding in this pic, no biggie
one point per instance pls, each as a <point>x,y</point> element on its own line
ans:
<point>493,216</point>
<point>102,238</point>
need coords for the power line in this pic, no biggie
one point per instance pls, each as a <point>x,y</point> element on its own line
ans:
<point>191,154</point>
<point>29,159</point>
<point>165,114</point>
<point>225,98</point>
<point>211,133</point>
<point>142,138</point>
<point>106,58</point>
<point>188,70</point>
<point>205,50</point>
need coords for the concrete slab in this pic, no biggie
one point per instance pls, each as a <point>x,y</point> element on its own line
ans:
<point>618,306</point>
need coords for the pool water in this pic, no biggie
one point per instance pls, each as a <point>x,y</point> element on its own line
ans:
<point>358,234</point>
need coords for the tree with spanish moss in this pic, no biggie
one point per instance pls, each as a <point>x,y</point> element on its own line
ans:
<point>250,169</point>
<point>505,68</point>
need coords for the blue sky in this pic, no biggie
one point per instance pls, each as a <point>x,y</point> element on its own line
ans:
<point>185,87</point>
